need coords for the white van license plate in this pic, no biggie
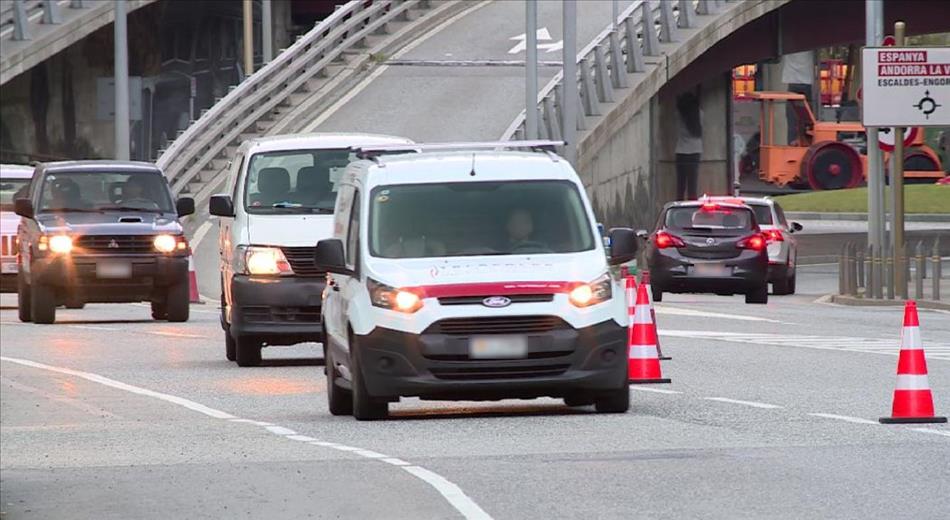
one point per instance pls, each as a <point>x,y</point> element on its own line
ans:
<point>107,269</point>
<point>497,347</point>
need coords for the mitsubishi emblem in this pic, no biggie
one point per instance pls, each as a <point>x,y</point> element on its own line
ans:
<point>113,244</point>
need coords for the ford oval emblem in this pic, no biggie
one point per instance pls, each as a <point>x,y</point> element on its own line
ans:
<point>496,301</point>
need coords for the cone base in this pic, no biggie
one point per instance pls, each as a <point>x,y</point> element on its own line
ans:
<point>648,381</point>
<point>912,420</point>
<point>665,358</point>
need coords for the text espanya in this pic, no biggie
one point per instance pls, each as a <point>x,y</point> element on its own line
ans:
<point>902,56</point>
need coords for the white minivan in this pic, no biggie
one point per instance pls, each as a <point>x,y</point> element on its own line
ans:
<point>280,200</point>
<point>466,272</point>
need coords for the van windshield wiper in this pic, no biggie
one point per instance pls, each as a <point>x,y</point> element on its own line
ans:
<point>131,208</point>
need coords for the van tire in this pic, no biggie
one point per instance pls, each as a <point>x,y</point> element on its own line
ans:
<point>24,312</point>
<point>177,304</point>
<point>758,295</point>
<point>614,401</point>
<point>365,407</point>
<point>247,351</point>
<point>42,303</point>
<point>339,400</point>
<point>230,346</point>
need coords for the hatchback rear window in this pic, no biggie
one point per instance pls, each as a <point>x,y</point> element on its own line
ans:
<point>719,217</point>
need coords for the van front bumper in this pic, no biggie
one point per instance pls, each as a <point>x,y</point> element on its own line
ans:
<point>277,311</point>
<point>560,363</point>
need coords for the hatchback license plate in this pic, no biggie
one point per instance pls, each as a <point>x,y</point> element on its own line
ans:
<point>497,347</point>
<point>711,270</point>
<point>112,269</point>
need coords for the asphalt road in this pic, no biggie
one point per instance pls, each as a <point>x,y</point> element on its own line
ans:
<point>772,413</point>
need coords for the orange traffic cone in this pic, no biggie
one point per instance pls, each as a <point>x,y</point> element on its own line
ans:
<point>913,401</point>
<point>193,296</point>
<point>643,363</point>
<point>631,290</point>
<point>645,279</point>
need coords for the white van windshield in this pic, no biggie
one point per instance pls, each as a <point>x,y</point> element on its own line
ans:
<point>478,218</point>
<point>294,181</point>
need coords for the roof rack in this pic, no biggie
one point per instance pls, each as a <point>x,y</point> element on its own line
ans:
<point>373,151</point>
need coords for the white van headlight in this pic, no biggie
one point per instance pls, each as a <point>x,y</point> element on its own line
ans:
<point>401,300</point>
<point>592,293</point>
<point>258,260</point>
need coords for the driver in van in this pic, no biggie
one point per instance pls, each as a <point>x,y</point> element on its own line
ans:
<point>521,230</point>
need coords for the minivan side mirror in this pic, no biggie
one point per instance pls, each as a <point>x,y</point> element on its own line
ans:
<point>796,227</point>
<point>185,206</point>
<point>623,245</point>
<point>328,255</point>
<point>221,206</point>
<point>23,207</point>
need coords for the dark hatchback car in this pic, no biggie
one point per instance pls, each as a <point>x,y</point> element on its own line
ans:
<point>101,232</point>
<point>708,247</point>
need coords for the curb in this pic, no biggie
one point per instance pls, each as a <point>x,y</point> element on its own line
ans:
<point>861,302</point>
<point>863,217</point>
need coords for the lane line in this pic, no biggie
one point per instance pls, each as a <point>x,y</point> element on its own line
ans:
<point>753,404</point>
<point>928,430</point>
<point>332,109</point>
<point>656,390</point>
<point>662,309</point>
<point>200,234</point>
<point>846,418</point>
<point>451,492</point>
<point>93,327</point>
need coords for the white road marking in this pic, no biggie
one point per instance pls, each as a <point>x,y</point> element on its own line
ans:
<point>395,461</point>
<point>200,234</point>
<point>753,404</point>
<point>451,492</point>
<point>301,438</point>
<point>662,309</point>
<point>332,109</point>
<point>174,334</point>
<point>656,390</point>
<point>928,430</point>
<point>856,420</point>
<point>887,346</point>
<point>94,327</point>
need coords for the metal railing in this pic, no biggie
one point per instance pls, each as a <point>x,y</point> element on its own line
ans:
<point>16,15</point>
<point>869,273</point>
<point>604,63</point>
<point>253,100</point>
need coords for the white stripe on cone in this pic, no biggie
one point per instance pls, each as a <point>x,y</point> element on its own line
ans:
<point>641,315</point>
<point>643,352</point>
<point>193,296</point>
<point>910,339</point>
<point>912,382</point>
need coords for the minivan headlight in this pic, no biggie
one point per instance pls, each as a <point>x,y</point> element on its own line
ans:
<point>598,291</point>
<point>262,260</point>
<point>401,300</point>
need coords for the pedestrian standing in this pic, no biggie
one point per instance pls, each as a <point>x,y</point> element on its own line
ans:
<point>689,145</point>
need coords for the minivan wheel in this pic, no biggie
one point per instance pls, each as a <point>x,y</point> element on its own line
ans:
<point>23,299</point>
<point>177,302</point>
<point>758,295</point>
<point>365,407</point>
<point>339,400</point>
<point>614,401</point>
<point>247,351</point>
<point>42,303</point>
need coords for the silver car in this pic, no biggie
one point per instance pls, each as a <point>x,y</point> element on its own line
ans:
<point>782,246</point>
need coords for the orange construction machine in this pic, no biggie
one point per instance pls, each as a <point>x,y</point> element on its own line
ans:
<point>822,154</point>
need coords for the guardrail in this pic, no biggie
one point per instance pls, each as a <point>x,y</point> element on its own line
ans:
<point>604,63</point>
<point>870,273</point>
<point>254,99</point>
<point>16,15</point>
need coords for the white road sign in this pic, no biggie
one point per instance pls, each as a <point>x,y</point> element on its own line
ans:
<point>543,35</point>
<point>906,86</point>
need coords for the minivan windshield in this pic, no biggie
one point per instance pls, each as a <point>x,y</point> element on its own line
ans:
<point>294,181</point>
<point>478,218</point>
<point>11,189</point>
<point>102,191</point>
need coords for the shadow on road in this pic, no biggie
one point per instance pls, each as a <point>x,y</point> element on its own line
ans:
<point>293,362</point>
<point>104,322</point>
<point>500,411</point>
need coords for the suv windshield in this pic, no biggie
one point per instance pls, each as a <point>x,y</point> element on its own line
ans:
<point>478,218</point>
<point>294,181</point>
<point>11,189</point>
<point>100,191</point>
<point>719,217</point>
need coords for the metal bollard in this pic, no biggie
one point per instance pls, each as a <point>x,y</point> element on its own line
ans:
<point>841,270</point>
<point>935,271</point>
<point>903,292</point>
<point>859,254</point>
<point>920,264</point>
<point>852,269</point>
<point>876,272</point>
<point>889,272</point>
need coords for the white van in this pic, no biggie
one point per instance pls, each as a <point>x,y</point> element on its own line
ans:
<point>280,200</point>
<point>473,274</point>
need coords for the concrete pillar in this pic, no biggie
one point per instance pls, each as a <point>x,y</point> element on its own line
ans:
<point>773,82</point>
<point>281,11</point>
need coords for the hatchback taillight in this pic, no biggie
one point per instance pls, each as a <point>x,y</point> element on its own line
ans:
<point>773,235</point>
<point>754,242</point>
<point>664,240</point>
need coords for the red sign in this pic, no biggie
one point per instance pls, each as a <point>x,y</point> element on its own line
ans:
<point>889,41</point>
<point>885,137</point>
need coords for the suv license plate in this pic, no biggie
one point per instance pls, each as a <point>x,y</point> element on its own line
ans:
<point>498,347</point>
<point>112,269</point>
<point>711,270</point>
<point>8,268</point>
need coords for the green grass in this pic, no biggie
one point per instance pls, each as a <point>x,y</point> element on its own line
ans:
<point>918,198</point>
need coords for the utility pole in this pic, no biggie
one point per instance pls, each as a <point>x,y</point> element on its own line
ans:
<point>267,27</point>
<point>569,58</point>
<point>121,82</point>
<point>248,38</point>
<point>897,181</point>
<point>874,34</point>
<point>531,70</point>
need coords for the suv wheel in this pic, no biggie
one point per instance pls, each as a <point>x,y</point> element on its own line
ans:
<point>177,302</point>
<point>42,303</point>
<point>758,295</point>
<point>247,351</point>
<point>159,311</point>
<point>786,285</point>
<point>23,299</point>
<point>614,401</point>
<point>339,400</point>
<point>365,407</point>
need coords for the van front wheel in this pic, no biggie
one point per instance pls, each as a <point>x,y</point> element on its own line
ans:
<point>365,407</point>
<point>247,351</point>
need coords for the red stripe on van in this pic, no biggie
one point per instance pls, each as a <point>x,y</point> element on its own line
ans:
<point>492,289</point>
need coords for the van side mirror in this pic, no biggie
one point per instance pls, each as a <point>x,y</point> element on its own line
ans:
<point>642,233</point>
<point>328,255</point>
<point>221,206</point>
<point>623,245</point>
<point>23,207</point>
<point>796,227</point>
<point>185,206</point>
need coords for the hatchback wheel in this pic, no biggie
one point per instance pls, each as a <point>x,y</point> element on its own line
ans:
<point>656,292</point>
<point>758,295</point>
<point>614,401</point>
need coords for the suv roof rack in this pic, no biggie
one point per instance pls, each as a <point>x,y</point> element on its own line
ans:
<point>373,151</point>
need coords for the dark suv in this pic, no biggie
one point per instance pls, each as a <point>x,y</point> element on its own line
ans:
<point>103,232</point>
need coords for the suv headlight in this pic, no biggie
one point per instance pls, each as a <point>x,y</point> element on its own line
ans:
<point>57,244</point>
<point>169,243</point>
<point>598,291</point>
<point>261,260</point>
<point>401,300</point>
